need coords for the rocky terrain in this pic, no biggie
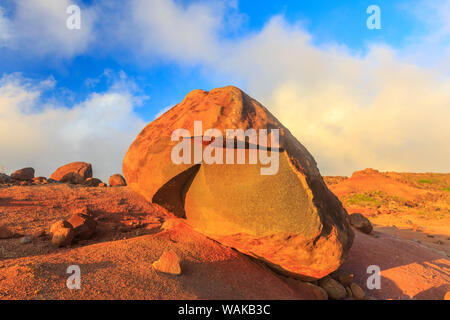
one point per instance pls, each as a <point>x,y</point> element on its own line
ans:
<point>207,231</point>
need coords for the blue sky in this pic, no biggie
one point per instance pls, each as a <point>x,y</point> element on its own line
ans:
<point>313,60</point>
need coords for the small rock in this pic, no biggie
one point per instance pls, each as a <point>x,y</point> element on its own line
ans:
<point>360,222</point>
<point>23,174</point>
<point>117,180</point>
<point>4,178</point>
<point>168,263</point>
<point>357,292</point>
<point>83,225</point>
<point>82,169</point>
<point>5,233</point>
<point>59,225</point>
<point>416,240</point>
<point>319,292</point>
<point>25,240</point>
<point>92,182</point>
<point>343,277</point>
<point>334,289</point>
<point>39,233</point>
<point>439,242</point>
<point>430,236</point>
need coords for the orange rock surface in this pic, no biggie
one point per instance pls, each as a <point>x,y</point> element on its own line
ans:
<point>289,220</point>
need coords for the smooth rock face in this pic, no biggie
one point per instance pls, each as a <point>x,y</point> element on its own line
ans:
<point>290,220</point>
<point>80,168</point>
<point>24,174</point>
<point>116,180</point>
<point>360,222</point>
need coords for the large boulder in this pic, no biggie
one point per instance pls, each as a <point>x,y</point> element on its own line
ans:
<point>71,170</point>
<point>288,219</point>
<point>24,174</point>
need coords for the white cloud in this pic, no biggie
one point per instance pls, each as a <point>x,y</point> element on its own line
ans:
<point>98,130</point>
<point>387,109</point>
<point>38,28</point>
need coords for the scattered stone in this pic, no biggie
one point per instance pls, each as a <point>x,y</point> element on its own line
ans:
<point>170,223</point>
<point>416,240</point>
<point>92,182</point>
<point>345,278</point>
<point>4,178</point>
<point>59,225</point>
<point>360,222</point>
<point>82,169</point>
<point>83,225</point>
<point>292,213</point>
<point>24,174</point>
<point>72,178</point>
<point>39,180</point>
<point>168,263</point>
<point>430,236</point>
<point>440,242</point>
<point>39,234</point>
<point>117,180</point>
<point>357,292</point>
<point>319,292</point>
<point>63,237</point>
<point>349,292</point>
<point>335,290</point>
<point>25,240</point>
<point>5,233</point>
